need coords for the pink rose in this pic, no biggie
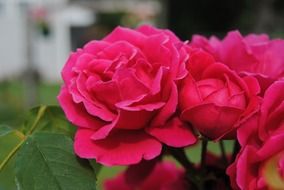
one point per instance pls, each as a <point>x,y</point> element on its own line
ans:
<point>213,98</point>
<point>163,176</point>
<point>260,164</point>
<point>121,93</point>
<point>252,55</point>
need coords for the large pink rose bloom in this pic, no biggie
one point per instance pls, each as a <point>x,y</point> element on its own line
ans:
<point>213,98</point>
<point>260,164</point>
<point>163,176</point>
<point>253,55</point>
<point>121,93</point>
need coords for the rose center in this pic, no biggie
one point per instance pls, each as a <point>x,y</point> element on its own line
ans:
<point>222,93</point>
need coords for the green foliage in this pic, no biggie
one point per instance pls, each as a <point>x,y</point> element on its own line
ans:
<point>10,141</point>
<point>96,166</point>
<point>50,119</point>
<point>46,161</point>
<point>39,155</point>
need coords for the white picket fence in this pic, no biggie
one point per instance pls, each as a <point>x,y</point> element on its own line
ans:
<point>48,55</point>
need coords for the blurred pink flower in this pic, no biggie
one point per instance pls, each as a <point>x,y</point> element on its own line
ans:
<point>161,176</point>
<point>252,55</point>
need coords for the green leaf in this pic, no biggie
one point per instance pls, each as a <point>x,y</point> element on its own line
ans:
<point>8,176</point>
<point>46,161</point>
<point>96,166</point>
<point>42,118</point>
<point>48,118</point>
<point>10,142</point>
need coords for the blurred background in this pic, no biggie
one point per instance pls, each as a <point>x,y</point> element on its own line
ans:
<point>36,36</point>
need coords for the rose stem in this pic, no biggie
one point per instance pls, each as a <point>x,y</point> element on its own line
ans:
<point>191,171</point>
<point>181,157</point>
<point>203,154</point>
<point>235,151</point>
<point>223,152</point>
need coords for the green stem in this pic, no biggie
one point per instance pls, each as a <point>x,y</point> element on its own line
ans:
<point>11,154</point>
<point>235,151</point>
<point>223,152</point>
<point>192,175</point>
<point>24,137</point>
<point>40,113</point>
<point>203,154</point>
<point>181,157</point>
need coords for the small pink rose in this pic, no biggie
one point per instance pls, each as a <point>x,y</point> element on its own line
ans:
<point>213,98</point>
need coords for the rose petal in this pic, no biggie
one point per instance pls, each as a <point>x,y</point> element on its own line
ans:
<point>150,30</point>
<point>256,38</point>
<point>263,80</point>
<point>211,120</point>
<point>76,113</point>
<point>129,86</point>
<point>246,173</point>
<point>117,49</point>
<point>67,71</point>
<point>252,84</point>
<point>82,62</point>
<point>242,172</point>
<point>200,41</point>
<point>156,50</point>
<point>221,71</point>
<point>103,131</point>
<point>133,119</point>
<point>174,133</point>
<point>165,176</point>
<point>189,94</point>
<point>168,109</point>
<point>272,146</point>
<point>122,147</point>
<point>198,61</point>
<point>275,120</point>
<point>231,171</point>
<point>272,99</point>
<point>136,174</point>
<point>117,183</point>
<point>94,46</point>
<point>147,107</point>
<point>236,53</point>
<point>270,57</point>
<point>125,34</point>
<point>93,107</point>
<point>248,130</point>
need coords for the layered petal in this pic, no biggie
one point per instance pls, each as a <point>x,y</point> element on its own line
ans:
<point>174,133</point>
<point>122,147</point>
<point>76,113</point>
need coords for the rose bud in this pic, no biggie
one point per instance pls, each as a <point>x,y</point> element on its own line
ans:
<point>213,98</point>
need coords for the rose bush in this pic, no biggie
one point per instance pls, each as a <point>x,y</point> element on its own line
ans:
<point>121,92</point>
<point>163,176</point>
<point>213,98</point>
<point>251,55</point>
<point>260,164</point>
